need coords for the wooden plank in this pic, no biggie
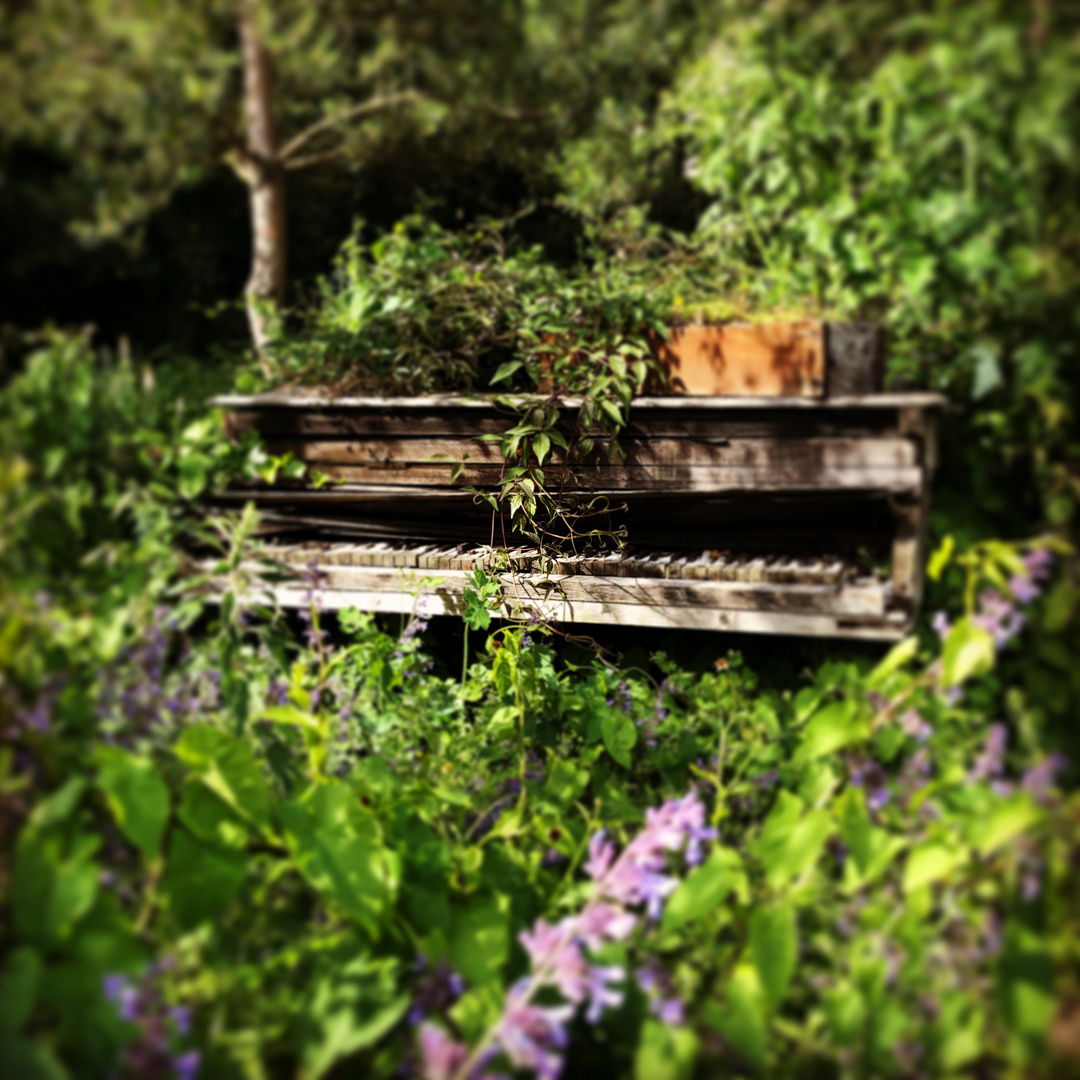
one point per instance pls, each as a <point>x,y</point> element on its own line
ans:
<point>320,398</point>
<point>745,359</point>
<point>806,476</point>
<point>562,611</point>
<point>742,453</point>
<point>846,600</point>
<point>853,422</point>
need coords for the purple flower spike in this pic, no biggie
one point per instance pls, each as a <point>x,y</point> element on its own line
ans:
<point>442,1057</point>
<point>1039,779</point>
<point>186,1066</point>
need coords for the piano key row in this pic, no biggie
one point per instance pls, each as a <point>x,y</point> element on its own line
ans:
<point>706,566</point>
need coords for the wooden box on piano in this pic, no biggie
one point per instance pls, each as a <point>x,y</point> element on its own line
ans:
<point>772,515</point>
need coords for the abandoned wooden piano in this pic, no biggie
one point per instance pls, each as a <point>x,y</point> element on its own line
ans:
<point>785,515</point>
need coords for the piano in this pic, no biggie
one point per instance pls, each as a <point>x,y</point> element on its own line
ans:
<point>777,515</point>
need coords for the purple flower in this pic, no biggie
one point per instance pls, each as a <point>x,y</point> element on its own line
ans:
<point>998,617</point>
<point>533,1035</point>
<point>601,993</point>
<point>1023,588</point>
<point>991,761</point>
<point>181,1016</point>
<point>941,624</point>
<point>1039,779</point>
<point>655,982</point>
<point>914,725</point>
<point>1037,563</point>
<point>442,1057</point>
<point>186,1065</point>
<point>277,692</point>
<point>602,923</point>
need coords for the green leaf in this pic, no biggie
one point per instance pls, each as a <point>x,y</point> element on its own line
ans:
<point>506,369</point>
<point>705,888</point>
<point>58,806</point>
<point>930,862</point>
<point>987,370</point>
<point>337,847</point>
<point>53,885</point>
<point>619,735</point>
<point>290,716</point>
<point>665,1052</point>
<point>774,949</point>
<point>480,939</point>
<point>872,850</point>
<point>18,989</point>
<point>137,797</point>
<point>28,1060</point>
<point>899,655</point>
<point>1009,817</point>
<point>790,840</point>
<point>200,880</point>
<point>348,1009</point>
<point>968,652</point>
<point>941,558</point>
<point>210,818</point>
<point>741,1019</point>
<point>830,729</point>
<point>227,766</point>
<point>845,1011</point>
<point>541,446</point>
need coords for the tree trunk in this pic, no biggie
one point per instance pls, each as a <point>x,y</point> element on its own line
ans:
<point>266,185</point>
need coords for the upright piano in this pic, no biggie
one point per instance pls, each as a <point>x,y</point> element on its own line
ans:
<point>781,515</point>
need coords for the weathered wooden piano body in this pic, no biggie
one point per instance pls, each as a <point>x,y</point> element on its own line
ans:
<point>752,514</point>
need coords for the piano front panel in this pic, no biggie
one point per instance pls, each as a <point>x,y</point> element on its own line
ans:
<point>763,516</point>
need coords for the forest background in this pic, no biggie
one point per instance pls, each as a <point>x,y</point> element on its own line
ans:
<point>239,845</point>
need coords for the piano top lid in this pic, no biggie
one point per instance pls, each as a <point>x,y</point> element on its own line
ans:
<point>298,397</point>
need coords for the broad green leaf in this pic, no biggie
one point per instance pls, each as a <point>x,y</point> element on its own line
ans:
<point>705,888</point>
<point>941,558</point>
<point>58,806</point>
<point>506,369</point>
<point>53,885</point>
<point>968,651</point>
<point>227,766</point>
<point>1009,817</point>
<point>899,655</point>
<point>480,939</point>
<point>26,1059</point>
<point>791,841</point>
<point>290,716</point>
<point>337,847</point>
<point>742,1018</point>
<point>774,949</point>
<point>619,735</point>
<point>845,1010</point>
<point>137,797</point>
<point>830,729</point>
<point>18,989</point>
<point>665,1052</point>
<point>872,849</point>
<point>200,880</point>
<point>210,818</point>
<point>349,1008</point>
<point>930,862</point>
<point>541,447</point>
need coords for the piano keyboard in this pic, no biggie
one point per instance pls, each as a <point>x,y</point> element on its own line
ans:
<point>685,566</point>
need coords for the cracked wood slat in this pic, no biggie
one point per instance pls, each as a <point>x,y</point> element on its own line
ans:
<point>846,600</point>
<point>889,628</point>
<point>836,453</point>
<point>804,476</point>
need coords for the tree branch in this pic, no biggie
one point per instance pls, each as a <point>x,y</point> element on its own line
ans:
<point>312,159</point>
<point>373,105</point>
